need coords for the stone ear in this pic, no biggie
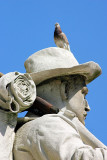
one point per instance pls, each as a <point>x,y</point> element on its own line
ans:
<point>62,91</point>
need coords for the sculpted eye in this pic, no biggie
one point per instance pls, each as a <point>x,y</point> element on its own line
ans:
<point>84,91</point>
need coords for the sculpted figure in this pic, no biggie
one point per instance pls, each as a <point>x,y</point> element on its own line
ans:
<point>61,81</point>
<point>17,92</point>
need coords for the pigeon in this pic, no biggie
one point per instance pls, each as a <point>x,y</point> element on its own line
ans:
<point>60,38</point>
<point>1,74</point>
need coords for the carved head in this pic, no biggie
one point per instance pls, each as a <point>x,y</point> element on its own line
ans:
<point>57,25</point>
<point>61,80</point>
<point>67,91</point>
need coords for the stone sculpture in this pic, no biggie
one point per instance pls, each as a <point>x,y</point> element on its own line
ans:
<point>61,81</point>
<point>17,92</point>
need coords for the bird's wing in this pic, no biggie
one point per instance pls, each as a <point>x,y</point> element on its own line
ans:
<point>64,38</point>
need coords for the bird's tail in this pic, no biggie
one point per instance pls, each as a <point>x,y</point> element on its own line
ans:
<point>68,48</point>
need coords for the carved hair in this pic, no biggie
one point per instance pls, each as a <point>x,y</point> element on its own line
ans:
<point>63,84</point>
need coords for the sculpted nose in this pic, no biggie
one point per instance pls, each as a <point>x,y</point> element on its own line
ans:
<point>87,108</point>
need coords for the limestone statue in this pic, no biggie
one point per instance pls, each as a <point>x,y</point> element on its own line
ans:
<point>17,92</point>
<point>61,81</point>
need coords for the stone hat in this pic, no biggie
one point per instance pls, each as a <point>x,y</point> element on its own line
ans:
<point>55,62</point>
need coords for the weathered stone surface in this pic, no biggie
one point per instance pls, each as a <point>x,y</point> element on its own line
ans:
<point>52,62</point>
<point>17,92</point>
<point>60,136</point>
<point>62,82</point>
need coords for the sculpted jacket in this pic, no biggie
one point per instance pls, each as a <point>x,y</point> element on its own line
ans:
<point>54,137</point>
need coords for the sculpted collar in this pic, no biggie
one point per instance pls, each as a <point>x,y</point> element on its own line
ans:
<point>67,113</point>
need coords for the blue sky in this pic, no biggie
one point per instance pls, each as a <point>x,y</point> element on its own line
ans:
<point>27,26</point>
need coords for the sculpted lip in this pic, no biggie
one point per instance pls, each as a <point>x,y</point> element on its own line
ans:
<point>85,115</point>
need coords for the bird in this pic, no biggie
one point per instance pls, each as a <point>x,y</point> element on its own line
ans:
<point>60,38</point>
<point>1,74</point>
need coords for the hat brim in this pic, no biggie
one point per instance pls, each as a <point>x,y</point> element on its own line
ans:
<point>89,70</point>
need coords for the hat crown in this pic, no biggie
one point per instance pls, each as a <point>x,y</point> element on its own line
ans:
<point>56,62</point>
<point>50,58</point>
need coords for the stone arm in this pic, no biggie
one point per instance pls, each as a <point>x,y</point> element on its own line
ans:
<point>87,136</point>
<point>52,137</point>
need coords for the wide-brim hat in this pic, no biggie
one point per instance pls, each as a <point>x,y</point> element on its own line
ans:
<point>56,62</point>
